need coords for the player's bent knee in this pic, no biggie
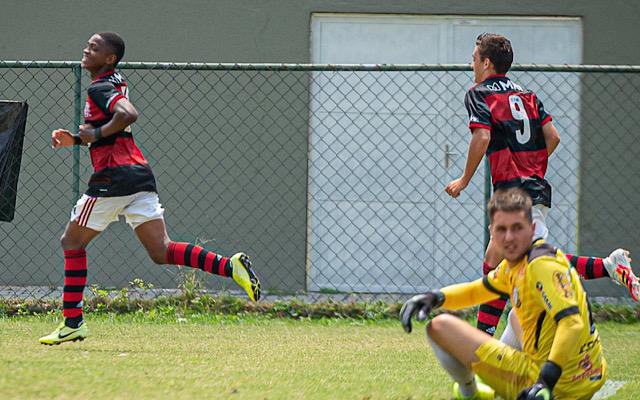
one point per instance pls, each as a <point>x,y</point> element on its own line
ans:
<point>158,258</point>
<point>69,243</point>
<point>439,325</point>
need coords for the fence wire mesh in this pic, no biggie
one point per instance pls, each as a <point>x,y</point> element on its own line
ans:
<point>331,177</point>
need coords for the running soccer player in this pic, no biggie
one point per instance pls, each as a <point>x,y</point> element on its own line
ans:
<point>512,127</point>
<point>122,184</point>
<point>561,354</point>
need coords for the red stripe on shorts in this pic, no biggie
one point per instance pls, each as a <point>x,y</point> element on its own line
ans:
<point>86,211</point>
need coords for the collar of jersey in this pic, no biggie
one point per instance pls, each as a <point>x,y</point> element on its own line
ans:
<point>494,76</point>
<point>102,75</point>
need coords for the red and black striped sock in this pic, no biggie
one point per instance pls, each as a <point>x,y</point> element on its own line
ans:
<point>75,279</point>
<point>489,313</point>
<point>588,267</point>
<point>193,256</point>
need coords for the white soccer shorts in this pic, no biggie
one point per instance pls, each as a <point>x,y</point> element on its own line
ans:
<point>98,212</point>
<point>539,214</point>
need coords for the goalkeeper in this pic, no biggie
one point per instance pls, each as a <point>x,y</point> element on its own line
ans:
<point>561,353</point>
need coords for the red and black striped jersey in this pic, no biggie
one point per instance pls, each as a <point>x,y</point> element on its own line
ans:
<point>517,150</point>
<point>120,169</point>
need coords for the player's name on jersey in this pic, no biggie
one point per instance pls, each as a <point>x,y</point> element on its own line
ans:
<point>502,86</point>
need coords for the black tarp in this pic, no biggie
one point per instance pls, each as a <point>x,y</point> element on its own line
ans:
<point>13,118</point>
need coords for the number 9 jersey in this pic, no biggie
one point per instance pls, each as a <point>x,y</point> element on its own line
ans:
<point>517,150</point>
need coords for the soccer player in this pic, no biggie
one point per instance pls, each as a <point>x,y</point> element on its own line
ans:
<point>512,127</point>
<point>561,353</point>
<point>122,184</point>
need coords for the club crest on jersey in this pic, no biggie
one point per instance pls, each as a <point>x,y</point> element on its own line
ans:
<point>563,284</point>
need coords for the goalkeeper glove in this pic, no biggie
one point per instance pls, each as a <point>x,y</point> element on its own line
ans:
<point>543,388</point>
<point>423,304</point>
<point>537,391</point>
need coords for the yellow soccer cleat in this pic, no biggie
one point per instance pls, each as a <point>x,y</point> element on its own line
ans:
<point>485,392</point>
<point>65,334</point>
<point>244,276</point>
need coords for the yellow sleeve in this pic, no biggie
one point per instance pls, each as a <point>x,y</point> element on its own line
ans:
<point>496,280</point>
<point>465,295</point>
<point>551,281</point>
<point>566,339</point>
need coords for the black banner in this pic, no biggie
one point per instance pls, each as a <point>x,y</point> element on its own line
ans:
<point>13,118</point>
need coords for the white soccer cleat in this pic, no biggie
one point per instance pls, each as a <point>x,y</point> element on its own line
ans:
<point>618,265</point>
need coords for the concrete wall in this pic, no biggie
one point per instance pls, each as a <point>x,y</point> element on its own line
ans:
<point>278,31</point>
<point>268,30</point>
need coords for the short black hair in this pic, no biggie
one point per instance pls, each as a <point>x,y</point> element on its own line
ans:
<point>496,48</point>
<point>115,42</point>
<point>510,200</point>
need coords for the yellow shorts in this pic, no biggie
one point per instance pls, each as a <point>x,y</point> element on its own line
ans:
<point>508,371</point>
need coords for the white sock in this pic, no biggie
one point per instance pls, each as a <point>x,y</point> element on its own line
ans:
<point>509,337</point>
<point>461,374</point>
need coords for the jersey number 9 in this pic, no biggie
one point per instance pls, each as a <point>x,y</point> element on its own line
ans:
<point>519,113</point>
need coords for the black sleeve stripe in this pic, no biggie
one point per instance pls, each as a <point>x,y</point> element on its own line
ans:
<point>566,312</point>
<point>485,282</point>
<point>589,268</point>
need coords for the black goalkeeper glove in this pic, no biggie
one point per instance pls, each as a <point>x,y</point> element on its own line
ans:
<point>538,391</point>
<point>423,304</point>
<point>543,388</point>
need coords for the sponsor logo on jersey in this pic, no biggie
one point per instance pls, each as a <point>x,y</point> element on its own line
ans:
<point>545,298</point>
<point>589,345</point>
<point>586,364</point>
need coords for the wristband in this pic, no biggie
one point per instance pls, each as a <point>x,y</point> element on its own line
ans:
<point>97,132</point>
<point>438,301</point>
<point>549,374</point>
<point>76,140</point>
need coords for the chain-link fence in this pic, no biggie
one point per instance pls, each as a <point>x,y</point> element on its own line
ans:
<point>331,177</point>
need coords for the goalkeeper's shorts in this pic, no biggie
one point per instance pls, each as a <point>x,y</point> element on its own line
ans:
<point>508,371</point>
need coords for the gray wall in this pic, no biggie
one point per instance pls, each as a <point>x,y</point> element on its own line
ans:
<point>268,30</point>
<point>278,31</point>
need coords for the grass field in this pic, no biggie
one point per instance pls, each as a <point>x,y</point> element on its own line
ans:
<point>133,357</point>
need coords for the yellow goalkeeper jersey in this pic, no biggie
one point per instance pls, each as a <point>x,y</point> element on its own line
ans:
<point>543,289</point>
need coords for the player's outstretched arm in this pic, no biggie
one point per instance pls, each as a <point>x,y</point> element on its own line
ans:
<point>477,147</point>
<point>63,138</point>
<point>453,297</point>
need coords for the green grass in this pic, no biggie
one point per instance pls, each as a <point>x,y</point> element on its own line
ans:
<point>228,357</point>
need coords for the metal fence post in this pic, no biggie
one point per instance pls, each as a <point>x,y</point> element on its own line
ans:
<point>77,115</point>
<point>487,197</point>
